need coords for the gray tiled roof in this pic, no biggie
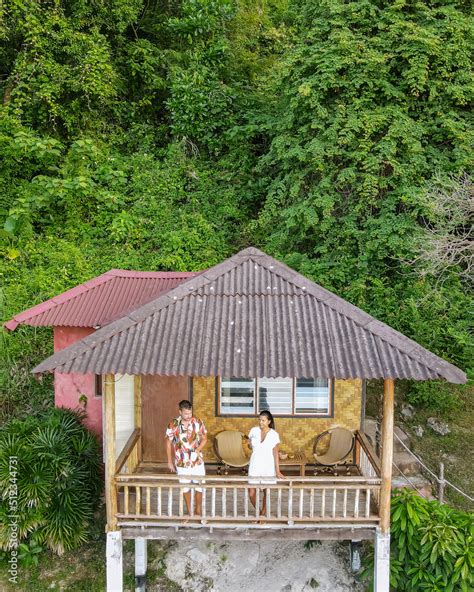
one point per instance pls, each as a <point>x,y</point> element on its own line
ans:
<point>251,315</point>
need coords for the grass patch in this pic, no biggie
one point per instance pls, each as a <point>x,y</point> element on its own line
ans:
<point>454,449</point>
<point>78,571</point>
<point>84,569</point>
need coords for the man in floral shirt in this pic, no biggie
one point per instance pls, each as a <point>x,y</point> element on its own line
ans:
<point>186,437</point>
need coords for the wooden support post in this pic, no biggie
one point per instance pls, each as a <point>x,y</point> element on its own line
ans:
<point>110,489</point>
<point>382,562</point>
<point>140,564</point>
<point>387,454</point>
<point>137,395</point>
<point>114,561</point>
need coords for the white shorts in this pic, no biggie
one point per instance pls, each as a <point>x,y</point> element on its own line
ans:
<point>262,481</point>
<point>197,471</point>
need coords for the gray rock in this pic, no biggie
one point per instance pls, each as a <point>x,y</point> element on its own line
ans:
<point>407,411</point>
<point>450,458</point>
<point>401,440</point>
<point>419,431</point>
<point>405,463</point>
<point>370,429</point>
<point>440,427</point>
<point>197,556</point>
<point>417,482</point>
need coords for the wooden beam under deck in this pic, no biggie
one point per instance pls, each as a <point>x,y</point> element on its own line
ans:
<point>260,532</point>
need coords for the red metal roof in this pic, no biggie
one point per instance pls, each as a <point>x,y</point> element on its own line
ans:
<point>100,300</point>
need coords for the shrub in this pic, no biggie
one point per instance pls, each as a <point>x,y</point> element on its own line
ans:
<point>54,478</point>
<point>432,546</point>
<point>438,396</point>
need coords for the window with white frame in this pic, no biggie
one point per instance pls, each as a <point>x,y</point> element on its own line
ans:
<point>237,396</point>
<point>312,396</point>
<point>281,396</point>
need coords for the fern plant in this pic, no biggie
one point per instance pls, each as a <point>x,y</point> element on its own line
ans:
<point>58,481</point>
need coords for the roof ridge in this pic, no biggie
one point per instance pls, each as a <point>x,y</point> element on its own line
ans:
<point>151,274</point>
<point>309,286</point>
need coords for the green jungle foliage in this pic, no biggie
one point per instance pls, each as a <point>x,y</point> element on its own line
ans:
<point>432,546</point>
<point>435,396</point>
<point>57,482</point>
<point>373,100</point>
<point>154,135</point>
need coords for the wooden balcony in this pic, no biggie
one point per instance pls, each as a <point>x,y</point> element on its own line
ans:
<point>297,507</point>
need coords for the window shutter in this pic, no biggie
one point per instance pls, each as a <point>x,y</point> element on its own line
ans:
<point>275,394</point>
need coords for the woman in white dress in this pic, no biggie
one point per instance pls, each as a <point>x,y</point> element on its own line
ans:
<point>264,462</point>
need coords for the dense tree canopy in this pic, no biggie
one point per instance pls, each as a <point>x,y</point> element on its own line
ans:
<point>374,101</point>
<point>156,135</point>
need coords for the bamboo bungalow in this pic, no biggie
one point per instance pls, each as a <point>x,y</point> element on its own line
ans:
<point>247,333</point>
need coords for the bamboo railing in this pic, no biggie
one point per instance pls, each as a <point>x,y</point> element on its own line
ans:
<point>367,460</point>
<point>225,500</point>
<point>129,458</point>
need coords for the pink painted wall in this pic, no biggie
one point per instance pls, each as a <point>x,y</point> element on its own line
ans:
<point>69,387</point>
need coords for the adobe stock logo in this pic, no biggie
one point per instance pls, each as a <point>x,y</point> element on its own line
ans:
<point>12,492</point>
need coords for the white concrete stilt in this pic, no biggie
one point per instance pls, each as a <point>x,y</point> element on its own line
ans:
<point>114,555</point>
<point>382,562</point>
<point>355,556</point>
<point>140,564</point>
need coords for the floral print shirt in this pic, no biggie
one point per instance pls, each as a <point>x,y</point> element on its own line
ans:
<point>185,440</point>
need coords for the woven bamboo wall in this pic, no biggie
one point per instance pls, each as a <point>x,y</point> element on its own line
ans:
<point>296,433</point>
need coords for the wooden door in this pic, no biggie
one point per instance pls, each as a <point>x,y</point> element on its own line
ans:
<point>160,398</point>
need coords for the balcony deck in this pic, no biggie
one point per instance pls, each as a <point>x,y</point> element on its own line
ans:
<point>150,502</point>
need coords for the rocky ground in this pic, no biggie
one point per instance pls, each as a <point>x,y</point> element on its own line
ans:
<point>200,567</point>
<point>255,566</point>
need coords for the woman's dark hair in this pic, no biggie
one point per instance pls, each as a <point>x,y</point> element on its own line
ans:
<point>269,416</point>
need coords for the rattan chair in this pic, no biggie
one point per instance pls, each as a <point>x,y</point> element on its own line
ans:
<point>341,443</point>
<point>228,446</point>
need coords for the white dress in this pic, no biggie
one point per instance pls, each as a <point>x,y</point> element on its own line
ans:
<point>262,461</point>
